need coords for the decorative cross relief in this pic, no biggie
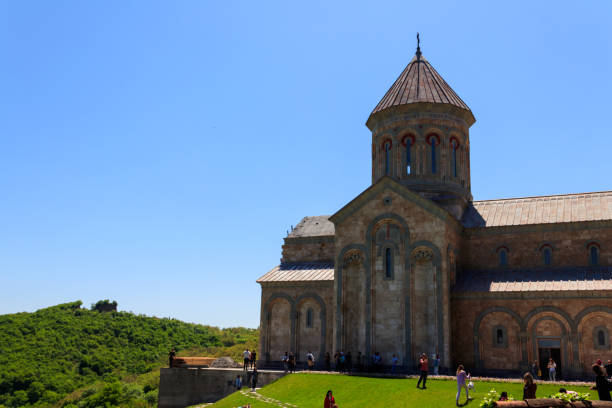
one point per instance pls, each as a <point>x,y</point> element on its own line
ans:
<point>422,255</point>
<point>353,258</point>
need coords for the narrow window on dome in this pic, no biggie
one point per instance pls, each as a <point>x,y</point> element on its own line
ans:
<point>454,157</point>
<point>433,155</point>
<point>408,156</point>
<point>387,158</point>
<point>547,256</point>
<point>594,252</point>
<point>309,318</point>
<point>388,263</point>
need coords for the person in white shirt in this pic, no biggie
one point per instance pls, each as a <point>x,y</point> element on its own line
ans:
<point>247,358</point>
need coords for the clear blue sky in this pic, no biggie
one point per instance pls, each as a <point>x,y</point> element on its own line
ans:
<point>155,153</point>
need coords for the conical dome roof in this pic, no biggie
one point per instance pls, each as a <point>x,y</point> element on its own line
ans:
<point>420,82</point>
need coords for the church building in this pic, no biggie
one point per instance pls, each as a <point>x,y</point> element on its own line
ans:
<point>414,265</point>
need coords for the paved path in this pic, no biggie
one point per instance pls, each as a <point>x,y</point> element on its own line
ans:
<point>267,400</point>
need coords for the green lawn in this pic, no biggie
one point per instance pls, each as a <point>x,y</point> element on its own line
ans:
<point>308,390</point>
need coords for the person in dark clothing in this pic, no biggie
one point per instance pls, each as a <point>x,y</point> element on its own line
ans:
<point>171,356</point>
<point>253,358</point>
<point>291,362</point>
<point>254,375</point>
<point>337,360</point>
<point>602,384</point>
<point>424,368</point>
<point>608,368</point>
<point>327,362</point>
<point>530,387</point>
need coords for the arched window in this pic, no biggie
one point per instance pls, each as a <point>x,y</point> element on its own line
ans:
<point>601,338</point>
<point>500,339</point>
<point>594,255</point>
<point>547,254</point>
<point>433,141</point>
<point>309,317</point>
<point>502,252</point>
<point>500,336</point>
<point>388,263</point>
<point>387,151</point>
<point>454,146</point>
<point>408,141</point>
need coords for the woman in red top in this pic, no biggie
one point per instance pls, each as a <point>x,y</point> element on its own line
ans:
<point>330,402</point>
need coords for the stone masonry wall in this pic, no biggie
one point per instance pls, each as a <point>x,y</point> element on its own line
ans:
<point>568,242</point>
<point>573,319</point>
<point>311,249</point>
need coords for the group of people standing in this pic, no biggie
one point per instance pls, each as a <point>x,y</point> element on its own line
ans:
<point>249,358</point>
<point>551,367</point>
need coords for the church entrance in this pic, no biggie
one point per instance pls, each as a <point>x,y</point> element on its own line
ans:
<point>547,349</point>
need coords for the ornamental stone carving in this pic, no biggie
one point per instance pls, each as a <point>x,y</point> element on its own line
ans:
<point>353,258</point>
<point>422,255</point>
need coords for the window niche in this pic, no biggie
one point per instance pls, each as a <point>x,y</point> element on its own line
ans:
<point>500,337</point>
<point>387,156</point>
<point>601,338</point>
<point>309,318</point>
<point>408,143</point>
<point>433,140</point>
<point>593,252</point>
<point>502,256</point>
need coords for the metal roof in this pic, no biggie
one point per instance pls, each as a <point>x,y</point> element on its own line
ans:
<point>540,210</point>
<point>572,279</point>
<point>319,225</point>
<point>300,272</point>
<point>419,82</point>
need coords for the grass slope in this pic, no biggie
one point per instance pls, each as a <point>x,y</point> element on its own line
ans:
<point>308,390</point>
<point>63,349</point>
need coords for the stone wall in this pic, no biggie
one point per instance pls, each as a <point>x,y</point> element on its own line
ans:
<point>308,249</point>
<point>573,319</point>
<point>284,313</point>
<point>568,243</point>
<point>181,387</point>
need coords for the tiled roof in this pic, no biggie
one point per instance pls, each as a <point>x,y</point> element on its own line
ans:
<point>596,278</point>
<point>540,210</point>
<point>316,226</point>
<point>419,82</point>
<point>300,272</point>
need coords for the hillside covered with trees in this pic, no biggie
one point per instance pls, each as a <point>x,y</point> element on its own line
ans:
<point>69,356</point>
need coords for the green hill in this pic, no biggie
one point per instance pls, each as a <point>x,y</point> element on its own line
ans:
<point>98,357</point>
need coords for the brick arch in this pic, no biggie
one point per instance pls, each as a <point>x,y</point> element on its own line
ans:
<point>266,335</point>
<point>591,309</point>
<point>564,338</point>
<point>437,264</point>
<point>568,320</point>
<point>339,271</point>
<point>322,317</point>
<point>478,321</point>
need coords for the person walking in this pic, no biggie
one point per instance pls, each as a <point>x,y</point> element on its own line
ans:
<point>285,360</point>
<point>424,368</point>
<point>552,370</point>
<point>602,384</point>
<point>253,358</point>
<point>529,387</point>
<point>254,376</point>
<point>394,361</point>
<point>310,360</point>
<point>246,357</point>
<point>437,365</point>
<point>534,369</point>
<point>461,383</point>
<point>291,362</point>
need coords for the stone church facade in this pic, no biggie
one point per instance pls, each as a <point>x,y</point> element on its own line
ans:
<point>413,264</point>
